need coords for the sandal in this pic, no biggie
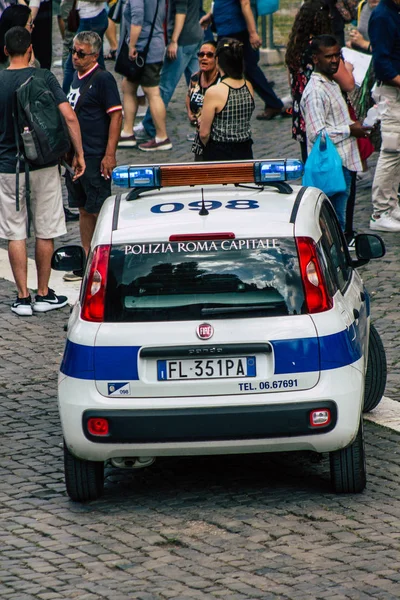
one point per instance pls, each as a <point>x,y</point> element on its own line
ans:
<point>111,55</point>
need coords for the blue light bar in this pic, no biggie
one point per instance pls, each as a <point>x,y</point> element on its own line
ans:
<point>136,177</point>
<point>278,170</point>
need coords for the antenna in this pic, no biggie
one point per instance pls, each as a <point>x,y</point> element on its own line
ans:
<point>203,211</point>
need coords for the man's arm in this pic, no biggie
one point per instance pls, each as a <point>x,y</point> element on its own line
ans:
<point>133,38</point>
<point>254,38</point>
<point>137,17</point>
<point>109,160</point>
<point>172,48</point>
<point>74,131</point>
<point>34,6</point>
<point>381,34</point>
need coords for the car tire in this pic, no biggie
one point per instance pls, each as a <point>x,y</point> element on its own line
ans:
<point>348,471</point>
<point>84,479</point>
<point>375,377</point>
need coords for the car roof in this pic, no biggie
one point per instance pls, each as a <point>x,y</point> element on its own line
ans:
<point>244,210</point>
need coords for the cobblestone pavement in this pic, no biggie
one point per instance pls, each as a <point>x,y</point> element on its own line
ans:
<point>191,528</point>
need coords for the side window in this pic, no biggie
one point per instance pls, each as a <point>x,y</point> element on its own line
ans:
<point>333,247</point>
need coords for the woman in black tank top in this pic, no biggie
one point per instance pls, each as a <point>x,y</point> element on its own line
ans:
<point>225,120</point>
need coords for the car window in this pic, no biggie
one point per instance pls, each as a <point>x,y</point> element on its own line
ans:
<point>221,279</point>
<point>333,246</point>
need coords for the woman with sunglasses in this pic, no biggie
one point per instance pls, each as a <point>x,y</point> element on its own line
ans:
<point>200,81</point>
<point>227,108</point>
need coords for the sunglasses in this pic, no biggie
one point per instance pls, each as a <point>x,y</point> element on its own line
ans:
<point>207,54</point>
<point>80,53</point>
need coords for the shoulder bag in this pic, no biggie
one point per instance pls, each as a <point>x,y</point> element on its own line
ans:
<point>133,69</point>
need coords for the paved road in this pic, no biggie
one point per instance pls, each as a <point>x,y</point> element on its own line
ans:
<point>232,528</point>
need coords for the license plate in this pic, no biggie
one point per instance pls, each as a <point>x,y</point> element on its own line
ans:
<point>206,368</point>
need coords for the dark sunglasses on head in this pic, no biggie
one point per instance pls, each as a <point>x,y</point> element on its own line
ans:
<point>207,54</point>
<point>80,53</point>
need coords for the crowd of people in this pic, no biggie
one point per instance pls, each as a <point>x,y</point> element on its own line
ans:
<point>154,43</point>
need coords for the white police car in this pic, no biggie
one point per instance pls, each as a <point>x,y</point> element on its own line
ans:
<point>220,313</point>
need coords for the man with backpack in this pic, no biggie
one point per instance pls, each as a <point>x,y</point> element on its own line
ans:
<point>33,192</point>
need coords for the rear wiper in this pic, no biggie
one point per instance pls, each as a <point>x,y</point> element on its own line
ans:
<point>230,309</point>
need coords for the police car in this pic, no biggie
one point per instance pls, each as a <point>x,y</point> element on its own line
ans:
<point>220,313</point>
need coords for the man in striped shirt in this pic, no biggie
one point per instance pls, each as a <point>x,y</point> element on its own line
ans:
<point>325,110</point>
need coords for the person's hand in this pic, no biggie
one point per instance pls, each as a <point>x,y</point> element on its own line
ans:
<point>349,66</point>
<point>356,37</point>
<point>359,131</point>
<point>132,53</point>
<point>172,50</point>
<point>206,20</point>
<point>107,165</point>
<point>79,166</point>
<point>255,40</point>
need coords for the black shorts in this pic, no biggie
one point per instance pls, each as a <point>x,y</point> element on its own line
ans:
<point>90,190</point>
<point>150,76</point>
<point>228,150</point>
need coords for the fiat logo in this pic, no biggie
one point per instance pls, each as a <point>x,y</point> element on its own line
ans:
<point>205,331</point>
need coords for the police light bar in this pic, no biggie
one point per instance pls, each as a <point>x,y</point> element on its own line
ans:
<point>233,172</point>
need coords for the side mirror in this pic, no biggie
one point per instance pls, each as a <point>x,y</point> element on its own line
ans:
<point>68,258</point>
<point>369,245</point>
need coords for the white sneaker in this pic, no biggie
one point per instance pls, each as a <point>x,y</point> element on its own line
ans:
<point>140,132</point>
<point>384,223</point>
<point>395,213</point>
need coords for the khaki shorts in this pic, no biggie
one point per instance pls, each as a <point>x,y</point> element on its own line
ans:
<point>48,219</point>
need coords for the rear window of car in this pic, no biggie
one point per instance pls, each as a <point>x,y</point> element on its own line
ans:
<point>219,279</point>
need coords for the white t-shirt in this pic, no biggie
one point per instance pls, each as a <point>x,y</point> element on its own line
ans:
<point>88,10</point>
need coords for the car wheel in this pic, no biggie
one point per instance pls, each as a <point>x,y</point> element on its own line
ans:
<point>375,377</point>
<point>84,479</point>
<point>348,472</point>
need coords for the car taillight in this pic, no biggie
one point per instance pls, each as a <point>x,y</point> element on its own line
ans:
<point>95,289</point>
<point>315,290</point>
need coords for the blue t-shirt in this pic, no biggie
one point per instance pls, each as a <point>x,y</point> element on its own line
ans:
<point>384,34</point>
<point>228,17</point>
<point>101,98</point>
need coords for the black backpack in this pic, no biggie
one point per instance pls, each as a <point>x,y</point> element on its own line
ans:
<point>41,134</point>
<point>39,122</point>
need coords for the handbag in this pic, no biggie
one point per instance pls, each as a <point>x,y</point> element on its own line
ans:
<point>365,146</point>
<point>133,69</point>
<point>267,7</point>
<point>324,168</point>
<point>73,18</point>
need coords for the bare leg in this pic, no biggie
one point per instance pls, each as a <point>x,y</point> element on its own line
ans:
<point>111,34</point>
<point>43,253</point>
<point>157,111</point>
<point>19,264</point>
<point>87,223</point>
<point>130,105</point>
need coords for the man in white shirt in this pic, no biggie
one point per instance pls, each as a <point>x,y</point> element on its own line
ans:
<point>325,110</point>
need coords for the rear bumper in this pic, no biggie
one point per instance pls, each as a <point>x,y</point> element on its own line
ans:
<point>209,424</point>
<point>206,425</point>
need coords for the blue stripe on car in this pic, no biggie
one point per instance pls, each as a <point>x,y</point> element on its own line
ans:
<point>113,363</point>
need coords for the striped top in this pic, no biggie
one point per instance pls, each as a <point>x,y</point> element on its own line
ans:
<point>325,110</point>
<point>232,124</point>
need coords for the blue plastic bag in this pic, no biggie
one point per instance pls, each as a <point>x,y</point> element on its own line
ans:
<point>324,168</point>
<point>267,7</point>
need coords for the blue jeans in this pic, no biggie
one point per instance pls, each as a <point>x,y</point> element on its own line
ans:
<point>98,24</point>
<point>171,73</point>
<point>339,200</point>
